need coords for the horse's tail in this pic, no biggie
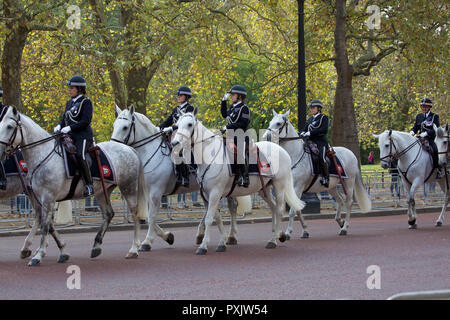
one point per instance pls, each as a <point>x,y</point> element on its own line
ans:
<point>244,204</point>
<point>63,213</point>
<point>361,194</point>
<point>143,203</point>
<point>290,195</point>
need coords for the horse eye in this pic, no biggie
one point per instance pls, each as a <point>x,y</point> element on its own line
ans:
<point>9,127</point>
<point>279,124</point>
<point>387,146</point>
<point>125,128</point>
<point>190,125</point>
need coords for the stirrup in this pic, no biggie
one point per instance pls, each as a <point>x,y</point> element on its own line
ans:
<point>88,190</point>
<point>325,182</point>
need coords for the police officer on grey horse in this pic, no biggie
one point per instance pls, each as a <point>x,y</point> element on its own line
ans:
<point>316,130</point>
<point>183,96</point>
<point>76,122</point>
<point>2,169</point>
<point>424,126</point>
<point>238,117</point>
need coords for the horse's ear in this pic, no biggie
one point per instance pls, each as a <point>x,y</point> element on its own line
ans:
<point>14,109</point>
<point>390,132</point>
<point>375,135</point>
<point>435,128</point>
<point>446,127</point>
<point>118,110</point>
<point>132,109</point>
<point>439,131</point>
<point>287,113</point>
<point>274,113</point>
<point>195,111</point>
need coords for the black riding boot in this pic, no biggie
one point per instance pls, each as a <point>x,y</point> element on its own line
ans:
<point>435,155</point>
<point>325,180</point>
<point>2,177</point>
<point>86,173</point>
<point>183,175</point>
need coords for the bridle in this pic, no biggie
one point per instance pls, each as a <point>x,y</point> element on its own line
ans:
<point>139,143</point>
<point>11,140</point>
<point>132,130</point>
<point>397,155</point>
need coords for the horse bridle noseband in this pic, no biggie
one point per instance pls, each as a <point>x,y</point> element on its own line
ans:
<point>397,155</point>
<point>10,142</point>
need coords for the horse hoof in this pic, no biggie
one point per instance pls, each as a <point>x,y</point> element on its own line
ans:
<point>288,237</point>
<point>34,262</point>
<point>305,235</point>
<point>412,222</point>
<point>201,251</point>
<point>96,252</point>
<point>63,258</point>
<point>221,248</point>
<point>25,254</point>
<point>145,247</point>
<point>343,233</point>
<point>170,239</point>
<point>271,245</point>
<point>131,255</point>
<point>438,224</point>
<point>199,239</point>
<point>282,237</point>
<point>412,226</point>
<point>232,241</point>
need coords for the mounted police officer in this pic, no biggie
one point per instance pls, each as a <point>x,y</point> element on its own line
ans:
<point>238,117</point>
<point>2,169</point>
<point>424,126</point>
<point>316,130</point>
<point>76,122</point>
<point>183,96</point>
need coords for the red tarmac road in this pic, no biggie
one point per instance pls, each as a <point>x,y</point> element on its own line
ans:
<point>326,266</point>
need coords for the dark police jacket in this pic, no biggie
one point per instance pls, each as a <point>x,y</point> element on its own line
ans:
<point>424,123</point>
<point>3,110</point>
<point>173,118</point>
<point>78,115</point>
<point>238,116</point>
<point>318,127</point>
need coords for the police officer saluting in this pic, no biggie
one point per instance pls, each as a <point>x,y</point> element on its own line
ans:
<point>183,96</point>
<point>76,122</point>
<point>238,117</point>
<point>424,125</point>
<point>316,129</point>
<point>2,169</point>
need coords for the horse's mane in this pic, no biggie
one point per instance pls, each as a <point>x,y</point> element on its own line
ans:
<point>41,131</point>
<point>148,125</point>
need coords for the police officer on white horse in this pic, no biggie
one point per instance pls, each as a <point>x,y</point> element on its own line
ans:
<point>316,130</point>
<point>183,96</point>
<point>424,126</point>
<point>238,117</point>
<point>2,169</point>
<point>76,122</point>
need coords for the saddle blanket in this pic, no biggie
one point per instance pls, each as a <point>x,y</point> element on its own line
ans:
<point>10,165</point>
<point>331,167</point>
<point>258,161</point>
<point>108,170</point>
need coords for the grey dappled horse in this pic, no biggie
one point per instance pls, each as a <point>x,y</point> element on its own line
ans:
<point>137,131</point>
<point>49,183</point>
<point>284,132</point>
<point>415,167</point>
<point>216,182</point>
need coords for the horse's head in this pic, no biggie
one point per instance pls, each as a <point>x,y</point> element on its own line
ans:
<point>124,126</point>
<point>278,126</point>
<point>10,132</point>
<point>386,145</point>
<point>441,140</point>
<point>186,124</point>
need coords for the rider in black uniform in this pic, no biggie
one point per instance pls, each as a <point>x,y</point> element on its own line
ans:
<point>76,122</point>
<point>316,129</point>
<point>238,117</point>
<point>424,126</point>
<point>2,169</point>
<point>183,96</point>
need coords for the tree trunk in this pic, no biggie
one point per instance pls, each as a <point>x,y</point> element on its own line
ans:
<point>11,60</point>
<point>137,82</point>
<point>344,132</point>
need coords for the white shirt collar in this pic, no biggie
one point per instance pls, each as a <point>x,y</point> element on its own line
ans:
<point>237,103</point>
<point>317,115</point>
<point>427,114</point>
<point>182,105</point>
<point>76,98</point>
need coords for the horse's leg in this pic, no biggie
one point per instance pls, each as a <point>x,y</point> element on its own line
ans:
<point>232,206</point>
<point>213,204</point>
<point>221,247</point>
<point>201,227</point>
<point>46,218</point>
<point>153,227</point>
<point>63,256</point>
<point>443,186</point>
<point>349,185</point>
<point>108,214</point>
<point>26,252</point>
<point>412,218</point>
<point>275,221</point>
<point>292,213</point>
<point>339,203</point>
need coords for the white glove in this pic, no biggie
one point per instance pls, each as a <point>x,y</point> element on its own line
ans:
<point>66,129</point>
<point>423,134</point>
<point>307,134</point>
<point>412,133</point>
<point>226,96</point>
<point>168,130</point>
<point>57,128</point>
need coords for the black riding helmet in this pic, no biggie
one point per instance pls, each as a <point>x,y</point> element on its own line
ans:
<point>426,102</point>
<point>184,90</point>
<point>239,90</point>
<point>78,82</point>
<point>316,103</point>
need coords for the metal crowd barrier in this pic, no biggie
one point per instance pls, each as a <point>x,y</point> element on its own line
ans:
<point>385,190</point>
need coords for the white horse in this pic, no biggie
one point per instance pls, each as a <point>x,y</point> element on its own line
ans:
<point>49,184</point>
<point>442,142</point>
<point>283,131</point>
<point>216,182</point>
<point>137,131</point>
<point>415,166</point>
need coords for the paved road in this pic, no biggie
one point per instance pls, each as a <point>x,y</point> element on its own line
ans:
<point>326,266</point>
